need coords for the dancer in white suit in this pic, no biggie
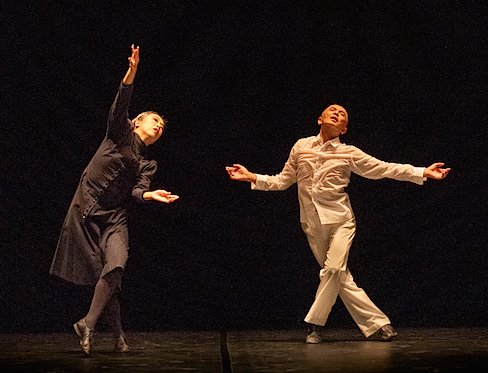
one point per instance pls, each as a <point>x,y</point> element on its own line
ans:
<point>321,166</point>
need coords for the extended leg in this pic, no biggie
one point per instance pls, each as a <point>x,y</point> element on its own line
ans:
<point>368,317</point>
<point>113,313</point>
<point>104,289</point>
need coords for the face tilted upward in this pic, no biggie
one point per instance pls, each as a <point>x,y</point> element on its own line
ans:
<point>149,128</point>
<point>333,121</point>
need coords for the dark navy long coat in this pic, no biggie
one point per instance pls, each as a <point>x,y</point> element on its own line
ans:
<point>94,236</point>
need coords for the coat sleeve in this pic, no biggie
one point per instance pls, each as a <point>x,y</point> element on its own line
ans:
<point>146,174</point>
<point>119,125</point>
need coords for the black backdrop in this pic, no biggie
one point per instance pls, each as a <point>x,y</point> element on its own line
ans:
<point>241,81</point>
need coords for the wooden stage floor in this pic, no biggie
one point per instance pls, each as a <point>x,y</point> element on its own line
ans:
<point>414,350</point>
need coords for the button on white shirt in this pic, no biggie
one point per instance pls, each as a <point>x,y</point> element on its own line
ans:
<point>322,172</point>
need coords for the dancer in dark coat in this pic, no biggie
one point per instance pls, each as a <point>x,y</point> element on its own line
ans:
<point>94,242</point>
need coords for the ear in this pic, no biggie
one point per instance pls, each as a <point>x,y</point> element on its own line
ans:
<point>344,131</point>
<point>137,123</point>
<point>319,121</point>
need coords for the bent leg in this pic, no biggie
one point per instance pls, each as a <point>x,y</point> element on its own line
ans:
<point>331,242</point>
<point>368,317</point>
<point>324,299</point>
<point>104,290</point>
<point>112,310</point>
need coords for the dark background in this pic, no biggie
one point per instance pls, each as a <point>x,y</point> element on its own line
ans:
<point>240,82</point>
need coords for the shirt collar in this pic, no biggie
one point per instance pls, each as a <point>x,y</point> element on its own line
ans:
<point>138,145</point>
<point>335,142</point>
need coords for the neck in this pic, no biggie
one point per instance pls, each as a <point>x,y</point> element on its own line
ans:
<point>326,137</point>
<point>145,139</point>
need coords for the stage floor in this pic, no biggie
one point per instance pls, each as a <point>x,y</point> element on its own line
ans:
<point>414,350</point>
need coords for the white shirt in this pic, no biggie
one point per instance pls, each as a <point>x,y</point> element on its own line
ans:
<point>322,172</point>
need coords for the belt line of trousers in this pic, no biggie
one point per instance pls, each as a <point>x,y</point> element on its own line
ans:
<point>330,244</point>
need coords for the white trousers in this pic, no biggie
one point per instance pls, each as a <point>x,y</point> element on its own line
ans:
<point>330,244</point>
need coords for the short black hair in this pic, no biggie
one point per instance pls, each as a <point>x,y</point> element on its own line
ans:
<point>144,114</point>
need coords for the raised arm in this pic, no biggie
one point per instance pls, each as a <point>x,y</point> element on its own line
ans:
<point>133,63</point>
<point>118,125</point>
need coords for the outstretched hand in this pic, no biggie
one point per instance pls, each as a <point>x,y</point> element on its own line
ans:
<point>133,63</point>
<point>134,58</point>
<point>160,195</point>
<point>435,171</point>
<point>240,173</point>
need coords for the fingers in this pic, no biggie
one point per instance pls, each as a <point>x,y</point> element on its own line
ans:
<point>434,171</point>
<point>232,170</point>
<point>444,172</point>
<point>238,172</point>
<point>440,173</point>
<point>163,192</point>
<point>238,168</point>
<point>435,166</point>
<point>162,195</point>
<point>167,199</point>
<point>134,58</point>
<point>171,198</point>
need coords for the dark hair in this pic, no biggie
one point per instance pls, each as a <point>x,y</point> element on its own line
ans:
<point>144,114</point>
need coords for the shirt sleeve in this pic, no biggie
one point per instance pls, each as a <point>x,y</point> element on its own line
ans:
<point>148,169</point>
<point>286,178</point>
<point>372,168</point>
<point>119,124</point>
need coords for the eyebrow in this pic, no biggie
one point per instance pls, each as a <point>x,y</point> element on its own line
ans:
<point>338,109</point>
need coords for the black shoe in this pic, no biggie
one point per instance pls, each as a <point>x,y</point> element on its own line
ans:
<point>121,344</point>
<point>385,334</point>
<point>313,338</point>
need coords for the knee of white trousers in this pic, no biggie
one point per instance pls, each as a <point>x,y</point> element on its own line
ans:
<point>330,270</point>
